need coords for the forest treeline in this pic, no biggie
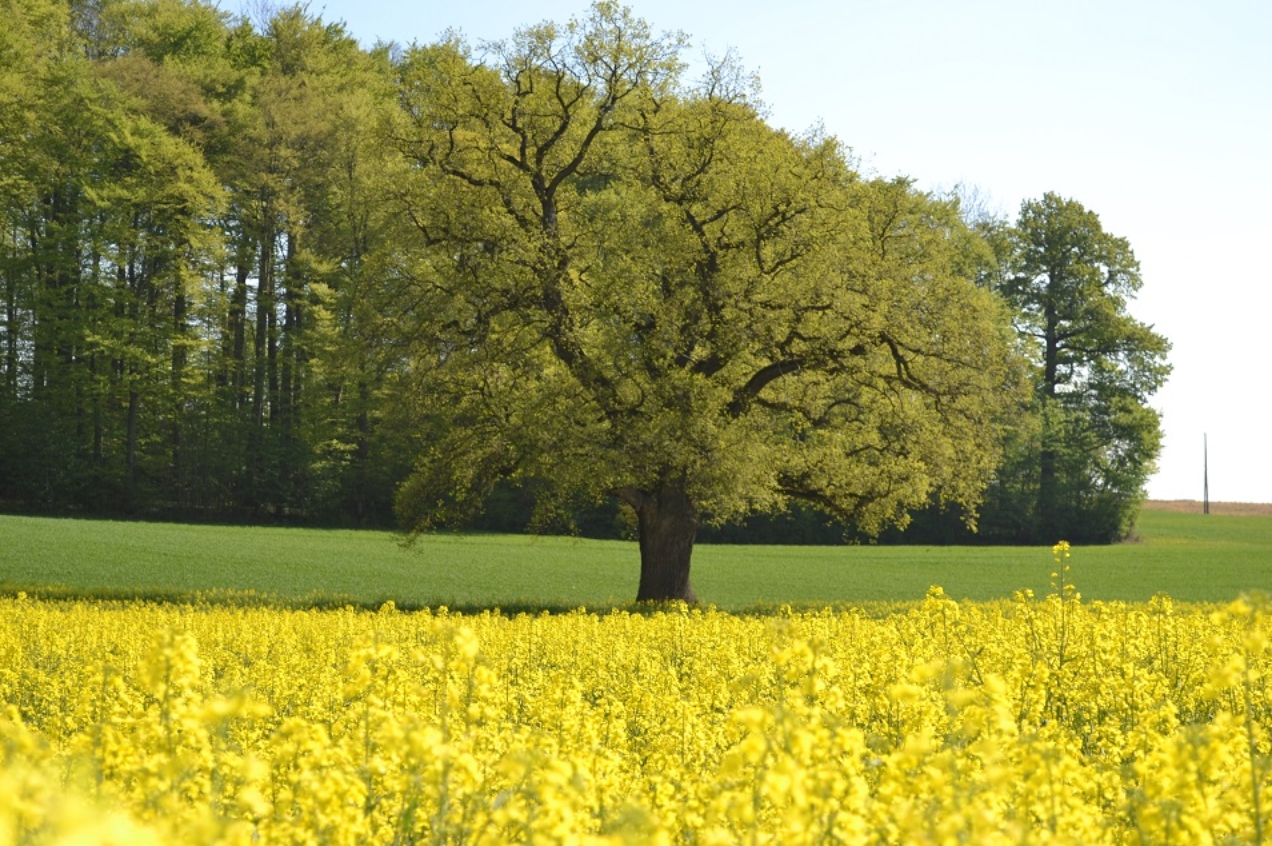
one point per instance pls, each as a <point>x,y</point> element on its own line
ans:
<point>223,240</point>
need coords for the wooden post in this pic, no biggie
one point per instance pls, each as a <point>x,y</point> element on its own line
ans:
<point>1205,474</point>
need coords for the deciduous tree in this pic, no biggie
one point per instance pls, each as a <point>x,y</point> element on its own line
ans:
<point>623,285</point>
<point>1080,473</point>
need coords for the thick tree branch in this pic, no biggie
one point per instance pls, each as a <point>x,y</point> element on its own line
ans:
<point>635,497</point>
<point>745,395</point>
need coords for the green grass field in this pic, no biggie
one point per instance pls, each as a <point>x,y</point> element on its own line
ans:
<point>1189,556</point>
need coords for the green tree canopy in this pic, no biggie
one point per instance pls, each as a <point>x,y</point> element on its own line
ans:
<point>1079,470</point>
<point>624,285</point>
<point>187,203</point>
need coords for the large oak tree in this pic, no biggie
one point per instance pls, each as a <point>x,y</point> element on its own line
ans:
<point>620,284</point>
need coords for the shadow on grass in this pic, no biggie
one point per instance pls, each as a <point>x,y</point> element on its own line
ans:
<point>226,598</point>
<point>318,601</point>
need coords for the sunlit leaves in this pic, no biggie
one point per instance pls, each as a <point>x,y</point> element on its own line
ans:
<point>700,302</point>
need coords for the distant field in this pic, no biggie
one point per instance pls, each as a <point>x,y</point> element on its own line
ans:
<point>1190,556</point>
<point>1192,506</point>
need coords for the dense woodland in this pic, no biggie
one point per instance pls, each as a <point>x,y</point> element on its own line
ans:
<point>254,271</point>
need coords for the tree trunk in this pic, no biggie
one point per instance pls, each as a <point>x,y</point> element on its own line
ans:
<point>1048,508</point>
<point>11,333</point>
<point>262,348</point>
<point>667,522</point>
<point>1047,516</point>
<point>237,320</point>
<point>289,355</point>
<point>177,376</point>
<point>130,447</point>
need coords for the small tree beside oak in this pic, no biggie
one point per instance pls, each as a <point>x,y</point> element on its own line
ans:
<point>1097,439</point>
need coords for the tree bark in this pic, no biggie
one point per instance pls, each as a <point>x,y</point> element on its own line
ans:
<point>261,346</point>
<point>667,522</point>
<point>1047,518</point>
<point>130,446</point>
<point>11,333</point>
<point>1047,524</point>
<point>180,359</point>
<point>289,355</point>
<point>237,322</point>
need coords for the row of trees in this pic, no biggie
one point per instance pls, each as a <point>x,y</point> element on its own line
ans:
<point>251,269</point>
<point>187,205</point>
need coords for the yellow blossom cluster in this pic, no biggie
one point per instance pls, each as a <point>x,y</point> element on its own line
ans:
<point>1037,720</point>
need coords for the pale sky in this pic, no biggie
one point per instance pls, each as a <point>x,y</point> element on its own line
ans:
<point>1154,114</point>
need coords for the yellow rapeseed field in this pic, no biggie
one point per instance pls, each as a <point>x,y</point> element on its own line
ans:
<point>1038,720</point>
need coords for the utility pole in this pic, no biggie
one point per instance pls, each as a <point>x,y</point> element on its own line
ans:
<point>1205,473</point>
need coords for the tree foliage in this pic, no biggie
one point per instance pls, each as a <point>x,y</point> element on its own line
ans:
<point>1079,464</point>
<point>625,285</point>
<point>185,211</point>
<point>249,269</point>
